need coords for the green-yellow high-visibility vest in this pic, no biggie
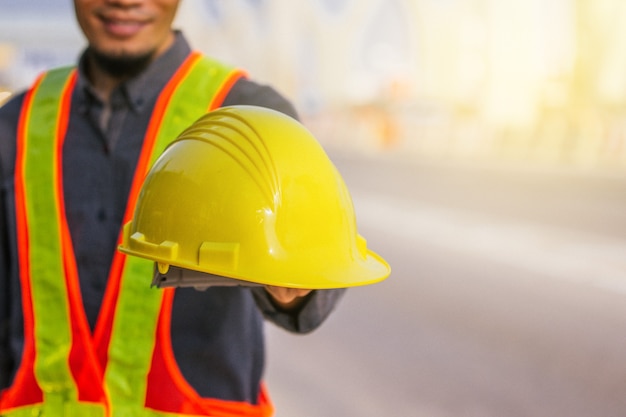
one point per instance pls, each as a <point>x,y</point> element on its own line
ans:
<point>126,368</point>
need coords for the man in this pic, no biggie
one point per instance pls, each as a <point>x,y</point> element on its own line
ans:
<point>94,127</point>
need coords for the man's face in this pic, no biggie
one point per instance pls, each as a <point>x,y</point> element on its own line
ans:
<point>127,29</point>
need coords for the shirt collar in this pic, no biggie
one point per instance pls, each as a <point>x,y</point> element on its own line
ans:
<point>142,89</point>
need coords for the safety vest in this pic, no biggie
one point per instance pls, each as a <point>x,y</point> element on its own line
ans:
<point>126,368</point>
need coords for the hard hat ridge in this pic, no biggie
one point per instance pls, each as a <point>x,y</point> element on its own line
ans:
<point>236,137</point>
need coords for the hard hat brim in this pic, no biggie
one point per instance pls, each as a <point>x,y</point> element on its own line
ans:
<point>371,270</point>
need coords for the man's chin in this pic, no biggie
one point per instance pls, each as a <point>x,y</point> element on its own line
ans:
<point>121,65</point>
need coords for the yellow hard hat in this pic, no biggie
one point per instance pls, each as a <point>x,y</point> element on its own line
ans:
<point>248,193</point>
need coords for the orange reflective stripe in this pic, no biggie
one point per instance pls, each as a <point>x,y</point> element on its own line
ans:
<point>181,398</point>
<point>25,389</point>
<point>230,80</point>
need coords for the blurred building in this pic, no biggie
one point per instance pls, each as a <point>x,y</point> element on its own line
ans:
<point>35,35</point>
<point>512,80</point>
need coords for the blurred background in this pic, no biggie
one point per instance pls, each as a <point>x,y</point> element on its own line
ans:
<point>484,144</point>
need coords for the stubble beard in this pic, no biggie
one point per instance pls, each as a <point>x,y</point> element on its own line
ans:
<point>121,66</point>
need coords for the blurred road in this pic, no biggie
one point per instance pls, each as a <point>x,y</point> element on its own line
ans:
<point>507,299</point>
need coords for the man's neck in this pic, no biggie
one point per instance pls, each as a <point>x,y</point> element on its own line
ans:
<point>102,82</point>
<point>106,73</point>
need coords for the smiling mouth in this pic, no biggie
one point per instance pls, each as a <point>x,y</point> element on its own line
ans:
<point>122,28</point>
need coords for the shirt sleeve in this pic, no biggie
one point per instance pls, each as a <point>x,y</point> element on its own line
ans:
<point>309,316</point>
<point>246,92</point>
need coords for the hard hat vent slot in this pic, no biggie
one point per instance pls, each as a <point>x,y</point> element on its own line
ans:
<point>220,255</point>
<point>164,250</point>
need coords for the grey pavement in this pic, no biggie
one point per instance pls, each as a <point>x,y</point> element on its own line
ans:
<point>507,299</point>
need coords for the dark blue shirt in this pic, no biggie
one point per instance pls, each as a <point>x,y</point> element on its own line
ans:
<point>217,334</point>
